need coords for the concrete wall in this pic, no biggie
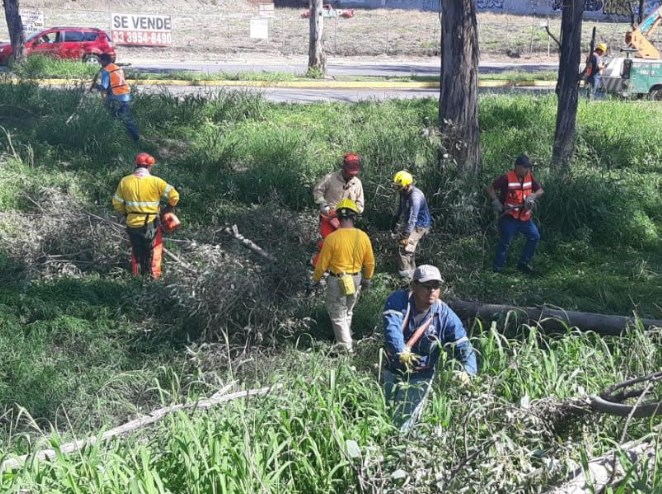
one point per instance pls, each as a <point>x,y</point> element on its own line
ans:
<point>523,7</point>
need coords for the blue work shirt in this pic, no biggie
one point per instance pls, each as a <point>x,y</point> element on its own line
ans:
<point>445,331</point>
<point>415,209</point>
<point>105,84</point>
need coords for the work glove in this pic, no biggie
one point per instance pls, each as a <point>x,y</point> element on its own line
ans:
<point>365,284</point>
<point>497,206</point>
<point>404,241</point>
<point>529,202</point>
<point>462,377</point>
<point>316,286</point>
<point>408,359</point>
<point>325,209</point>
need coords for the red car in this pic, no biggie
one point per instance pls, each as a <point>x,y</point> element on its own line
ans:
<point>74,43</point>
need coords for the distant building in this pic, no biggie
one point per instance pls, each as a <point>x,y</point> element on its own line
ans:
<point>593,8</point>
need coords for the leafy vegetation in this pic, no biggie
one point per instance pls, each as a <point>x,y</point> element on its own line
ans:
<point>84,346</point>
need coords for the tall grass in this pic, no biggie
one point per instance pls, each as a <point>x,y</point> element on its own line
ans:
<point>82,351</point>
<point>329,430</point>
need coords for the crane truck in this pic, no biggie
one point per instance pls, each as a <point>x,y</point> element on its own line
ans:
<point>639,72</point>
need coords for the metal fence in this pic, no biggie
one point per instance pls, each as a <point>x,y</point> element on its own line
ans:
<point>215,32</point>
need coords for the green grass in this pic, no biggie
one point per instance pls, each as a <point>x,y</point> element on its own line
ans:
<point>85,347</point>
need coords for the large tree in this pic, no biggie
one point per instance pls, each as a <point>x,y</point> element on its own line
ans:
<point>458,101</point>
<point>316,57</point>
<point>15,26</point>
<point>567,88</point>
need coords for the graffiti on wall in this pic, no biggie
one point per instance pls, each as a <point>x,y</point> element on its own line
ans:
<point>589,5</point>
<point>489,4</point>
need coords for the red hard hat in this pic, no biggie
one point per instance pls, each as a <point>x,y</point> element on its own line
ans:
<point>351,164</point>
<point>143,159</point>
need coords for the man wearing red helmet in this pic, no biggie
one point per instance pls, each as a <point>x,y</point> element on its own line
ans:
<point>138,198</point>
<point>333,188</point>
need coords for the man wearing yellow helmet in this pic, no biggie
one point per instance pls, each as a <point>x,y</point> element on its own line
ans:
<point>333,188</point>
<point>593,69</point>
<point>348,257</point>
<point>417,221</point>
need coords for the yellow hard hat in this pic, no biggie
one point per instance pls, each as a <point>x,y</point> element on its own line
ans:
<point>346,206</point>
<point>403,179</point>
<point>602,47</point>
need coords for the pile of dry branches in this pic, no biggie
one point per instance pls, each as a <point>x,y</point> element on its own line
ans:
<point>58,237</point>
<point>213,284</point>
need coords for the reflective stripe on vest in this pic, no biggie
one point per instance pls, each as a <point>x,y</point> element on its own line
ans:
<point>118,85</point>
<point>517,193</point>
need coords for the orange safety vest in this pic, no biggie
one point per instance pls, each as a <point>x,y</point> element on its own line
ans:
<point>517,193</point>
<point>118,85</point>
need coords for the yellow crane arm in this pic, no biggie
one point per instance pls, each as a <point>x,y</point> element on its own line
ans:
<point>638,37</point>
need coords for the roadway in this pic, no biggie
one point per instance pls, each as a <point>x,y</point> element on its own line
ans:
<point>336,68</point>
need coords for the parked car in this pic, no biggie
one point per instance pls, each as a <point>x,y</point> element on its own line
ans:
<point>329,10</point>
<point>73,43</point>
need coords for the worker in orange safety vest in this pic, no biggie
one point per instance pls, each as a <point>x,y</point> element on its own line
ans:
<point>138,198</point>
<point>513,196</point>
<point>117,94</point>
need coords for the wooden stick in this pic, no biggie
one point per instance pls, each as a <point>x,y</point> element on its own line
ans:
<point>234,232</point>
<point>606,470</point>
<point>153,417</point>
<point>178,260</point>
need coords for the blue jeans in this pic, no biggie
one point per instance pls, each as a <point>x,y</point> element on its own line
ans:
<point>408,396</point>
<point>122,111</point>
<point>508,228</point>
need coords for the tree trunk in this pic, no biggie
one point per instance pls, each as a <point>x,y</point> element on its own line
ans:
<point>567,88</point>
<point>550,319</point>
<point>458,100</point>
<point>15,27</point>
<point>316,57</point>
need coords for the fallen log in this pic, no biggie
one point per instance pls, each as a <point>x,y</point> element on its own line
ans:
<point>551,318</point>
<point>607,470</point>
<point>154,416</point>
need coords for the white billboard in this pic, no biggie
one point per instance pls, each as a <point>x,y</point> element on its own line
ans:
<point>141,29</point>
<point>33,20</point>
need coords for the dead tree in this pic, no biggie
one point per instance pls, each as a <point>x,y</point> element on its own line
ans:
<point>316,57</point>
<point>567,88</point>
<point>458,100</point>
<point>15,26</point>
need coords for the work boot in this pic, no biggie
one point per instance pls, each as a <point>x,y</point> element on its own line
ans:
<point>527,269</point>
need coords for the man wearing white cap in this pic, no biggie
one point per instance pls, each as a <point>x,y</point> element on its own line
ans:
<point>417,325</point>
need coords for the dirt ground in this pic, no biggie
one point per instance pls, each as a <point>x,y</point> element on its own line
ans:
<point>213,30</point>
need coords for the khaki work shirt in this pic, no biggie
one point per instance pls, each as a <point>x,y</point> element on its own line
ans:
<point>333,188</point>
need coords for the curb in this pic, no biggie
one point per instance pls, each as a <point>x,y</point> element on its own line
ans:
<point>306,84</point>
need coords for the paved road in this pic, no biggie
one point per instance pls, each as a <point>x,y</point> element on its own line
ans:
<point>335,68</point>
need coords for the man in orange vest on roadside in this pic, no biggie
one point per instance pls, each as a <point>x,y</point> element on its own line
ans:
<point>138,198</point>
<point>117,94</point>
<point>513,196</point>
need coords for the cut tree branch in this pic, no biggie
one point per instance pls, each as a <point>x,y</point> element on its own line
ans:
<point>234,232</point>
<point>607,471</point>
<point>153,417</point>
